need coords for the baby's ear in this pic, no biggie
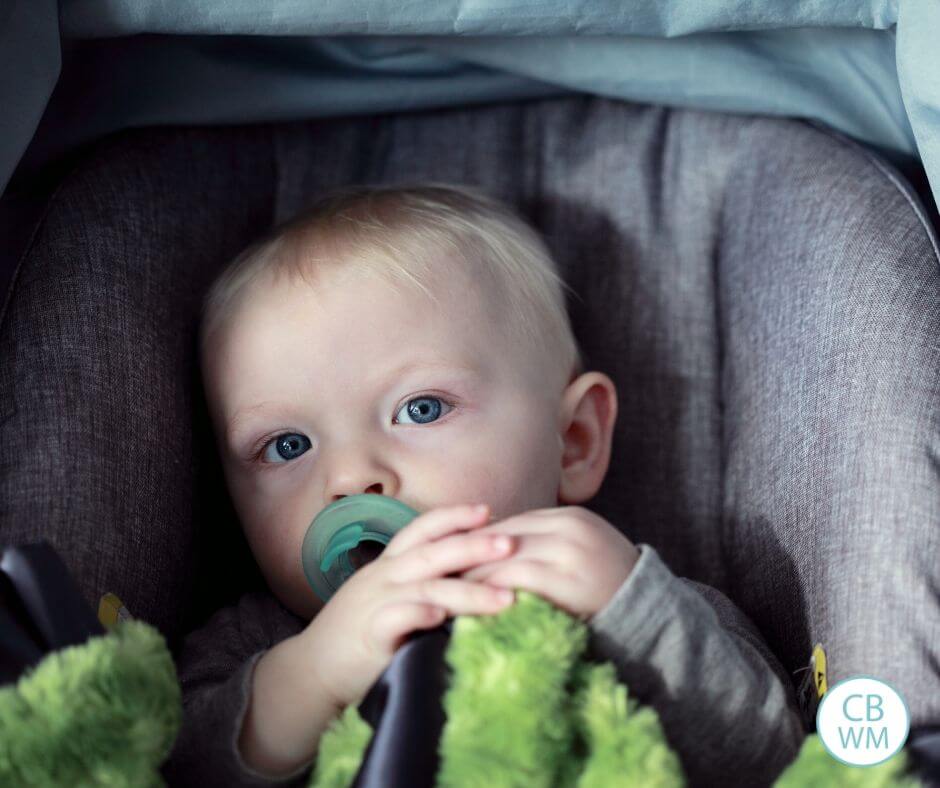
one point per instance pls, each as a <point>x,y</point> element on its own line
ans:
<point>588,415</point>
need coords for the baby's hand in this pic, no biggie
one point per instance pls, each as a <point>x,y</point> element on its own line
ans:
<point>353,638</point>
<point>568,555</point>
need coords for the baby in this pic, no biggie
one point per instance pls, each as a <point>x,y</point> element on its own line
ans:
<point>413,342</point>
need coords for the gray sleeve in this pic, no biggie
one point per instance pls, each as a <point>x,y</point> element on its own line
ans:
<point>727,706</point>
<point>215,666</point>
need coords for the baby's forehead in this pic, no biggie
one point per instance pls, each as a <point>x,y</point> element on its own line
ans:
<point>439,276</point>
<point>454,293</point>
<point>368,306</point>
<point>466,353</point>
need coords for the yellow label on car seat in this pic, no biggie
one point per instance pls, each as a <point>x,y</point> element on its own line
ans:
<point>812,686</point>
<point>111,610</point>
<point>819,670</point>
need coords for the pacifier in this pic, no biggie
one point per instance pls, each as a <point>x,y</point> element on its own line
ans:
<point>346,535</point>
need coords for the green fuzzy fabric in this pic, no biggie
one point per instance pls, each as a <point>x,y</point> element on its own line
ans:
<point>102,713</point>
<point>525,708</point>
<point>341,750</point>
<point>815,766</point>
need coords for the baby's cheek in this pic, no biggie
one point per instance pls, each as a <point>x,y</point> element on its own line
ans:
<point>276,555</point>
<point>272,560</point>
<point>503,485</point>
<point>286,578</point>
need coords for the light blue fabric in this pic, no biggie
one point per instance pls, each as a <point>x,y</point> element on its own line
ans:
<point>871,70</point>
<point>29,65</point>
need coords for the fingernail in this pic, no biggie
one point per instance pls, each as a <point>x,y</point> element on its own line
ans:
<point>506,595</point>
<point>502,543</point>
<point>480,507</point>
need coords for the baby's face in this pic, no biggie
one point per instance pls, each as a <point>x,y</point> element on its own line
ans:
<point>357,388</point>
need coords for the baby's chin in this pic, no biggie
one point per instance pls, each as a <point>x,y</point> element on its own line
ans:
<point>306,609</point>
<point>296,596</point>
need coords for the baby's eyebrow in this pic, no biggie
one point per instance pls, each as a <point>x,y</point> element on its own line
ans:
<point>232,430</point>
<point>411,366</point>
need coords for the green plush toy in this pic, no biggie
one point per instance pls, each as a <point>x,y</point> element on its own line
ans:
<point>105,712</point>
<point>524,708</point>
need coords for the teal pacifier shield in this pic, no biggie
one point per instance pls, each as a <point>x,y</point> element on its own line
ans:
<point>346,534</point>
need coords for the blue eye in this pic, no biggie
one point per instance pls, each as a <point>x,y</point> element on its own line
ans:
<point>422,410</point>
<point>288,446</point>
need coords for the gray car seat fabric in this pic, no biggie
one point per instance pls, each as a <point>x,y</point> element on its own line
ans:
<point>765,295</point>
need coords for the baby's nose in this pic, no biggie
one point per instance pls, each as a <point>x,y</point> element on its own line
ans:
<point>374,489</point>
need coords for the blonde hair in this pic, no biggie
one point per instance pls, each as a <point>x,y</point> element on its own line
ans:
<point>394,231</point>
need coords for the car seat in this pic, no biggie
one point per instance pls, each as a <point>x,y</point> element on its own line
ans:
<point>765,294</point>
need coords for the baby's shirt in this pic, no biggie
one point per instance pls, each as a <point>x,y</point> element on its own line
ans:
<point>726,704</point>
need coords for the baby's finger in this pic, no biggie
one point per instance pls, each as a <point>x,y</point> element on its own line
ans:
<point>460,597</point>
<point>524,524</point>
<point>550,548</point>
<point>446,556</point>
<point>426,604</point>
<point>542,579</point>
<point>437,523</point>
<point>392,623</point>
